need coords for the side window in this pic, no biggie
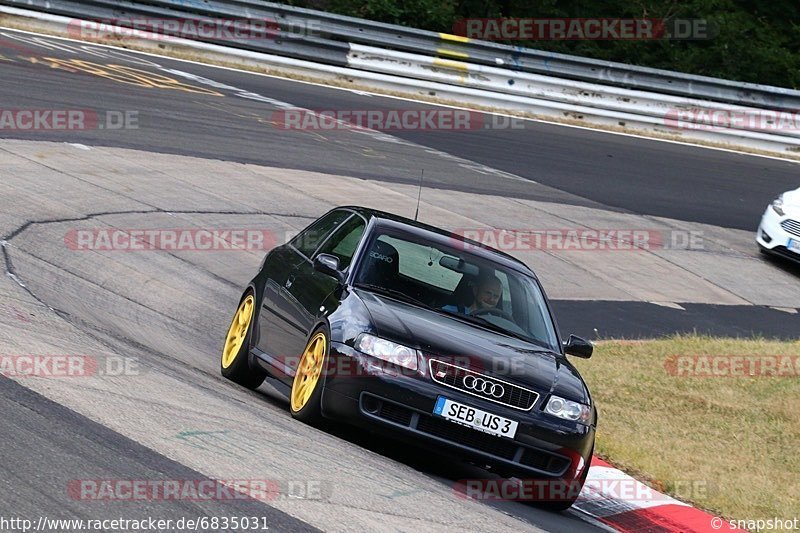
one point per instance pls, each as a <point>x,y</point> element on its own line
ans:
<point>344,241</point>
<point>309,239</point>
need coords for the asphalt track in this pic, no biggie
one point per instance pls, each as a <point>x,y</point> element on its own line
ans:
<point>568,166</point>
<point>622,172</point>
<point>639,320</point>
<point>169,312</point>
<point>45,445</point>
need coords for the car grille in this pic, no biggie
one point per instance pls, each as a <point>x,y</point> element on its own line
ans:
<point>785,253</point>
<point>791,226</point>
<point>454,376</point>
<point>482,442</point>
<point>468,437</point>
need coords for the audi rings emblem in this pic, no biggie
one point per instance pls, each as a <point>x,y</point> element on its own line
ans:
<point>484,386</point>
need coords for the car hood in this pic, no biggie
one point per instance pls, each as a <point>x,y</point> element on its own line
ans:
<point>791,201</point>
<point>481,349</point>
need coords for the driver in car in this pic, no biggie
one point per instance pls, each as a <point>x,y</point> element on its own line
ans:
<point>487,292</point>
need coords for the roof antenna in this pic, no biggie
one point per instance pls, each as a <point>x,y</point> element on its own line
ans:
<point>419,193</point>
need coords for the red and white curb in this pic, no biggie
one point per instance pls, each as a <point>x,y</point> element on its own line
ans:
<point>615,500</point>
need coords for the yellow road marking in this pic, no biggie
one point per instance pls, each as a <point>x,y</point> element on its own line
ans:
<point>126,75</point>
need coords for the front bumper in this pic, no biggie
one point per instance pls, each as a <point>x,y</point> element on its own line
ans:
<point>373,396</point>
<point>773,238</point>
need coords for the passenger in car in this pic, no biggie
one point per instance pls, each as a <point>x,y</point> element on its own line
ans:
<point>486,293</point>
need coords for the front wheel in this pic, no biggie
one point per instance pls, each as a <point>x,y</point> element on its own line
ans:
<point>306,397</point>
<point>233,363</point>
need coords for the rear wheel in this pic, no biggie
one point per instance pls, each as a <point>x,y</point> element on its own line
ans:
<point>306,397</point>
<point>233,363</point>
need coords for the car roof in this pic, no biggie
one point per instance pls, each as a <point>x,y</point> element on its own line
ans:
<point>439,235</point>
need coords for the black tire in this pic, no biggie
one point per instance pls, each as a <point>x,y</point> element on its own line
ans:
<point>310,411</point>
<point>238,370</point>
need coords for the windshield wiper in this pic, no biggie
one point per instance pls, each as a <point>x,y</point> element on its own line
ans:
<point>394,292</point>
<point>499,329</point>
<point>494,327</point>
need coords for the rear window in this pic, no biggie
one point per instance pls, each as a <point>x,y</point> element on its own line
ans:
<point>421,263</point>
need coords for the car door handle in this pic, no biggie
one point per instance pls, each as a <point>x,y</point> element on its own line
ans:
<point>289,282</point>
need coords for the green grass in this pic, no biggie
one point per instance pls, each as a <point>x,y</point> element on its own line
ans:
<point>725,444</point>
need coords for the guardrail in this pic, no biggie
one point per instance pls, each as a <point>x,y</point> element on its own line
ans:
<point>359,31</point>
<point>473,71</point>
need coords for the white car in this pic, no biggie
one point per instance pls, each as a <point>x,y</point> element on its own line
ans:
<point>779,231</point>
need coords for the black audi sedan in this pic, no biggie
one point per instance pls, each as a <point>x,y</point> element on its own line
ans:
<point>380,321</point>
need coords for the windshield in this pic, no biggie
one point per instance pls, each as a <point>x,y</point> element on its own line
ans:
<point>452,281</point>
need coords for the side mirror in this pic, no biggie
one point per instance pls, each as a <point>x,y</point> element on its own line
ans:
<point>578,347</point>
<point>329,265</point>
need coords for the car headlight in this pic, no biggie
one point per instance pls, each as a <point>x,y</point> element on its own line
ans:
<point>388,351</point>
<point>568,410</point>
<point>777,205</point>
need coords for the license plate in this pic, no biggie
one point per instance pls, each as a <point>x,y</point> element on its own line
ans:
<point>475,418</point>
<point>794,246</point>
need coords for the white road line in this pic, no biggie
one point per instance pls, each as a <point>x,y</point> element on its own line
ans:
<point>401,98</point>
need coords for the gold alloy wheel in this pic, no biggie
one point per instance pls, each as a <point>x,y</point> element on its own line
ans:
<point>308,371</point>
<point>238,331</point>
